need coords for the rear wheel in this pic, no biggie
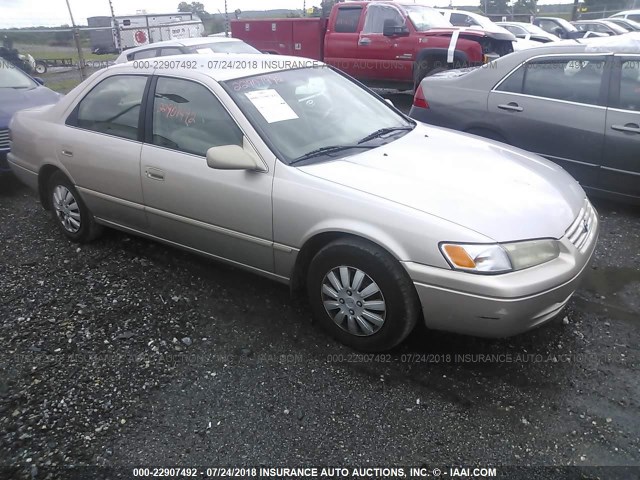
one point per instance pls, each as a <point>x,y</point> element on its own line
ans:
<point>71,215</point>
<point>361,295</point>
<point>41,68</point>
<point>424,69</point>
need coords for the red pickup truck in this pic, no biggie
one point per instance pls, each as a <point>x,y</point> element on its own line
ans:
<point>384,44</point>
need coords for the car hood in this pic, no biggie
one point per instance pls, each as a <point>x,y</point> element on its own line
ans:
<point>498,191</point>
<point>12,100</point>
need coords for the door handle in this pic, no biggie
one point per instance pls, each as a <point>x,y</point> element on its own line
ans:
<point>364,41</point>
<point>155,174</point>
<point>629,128</point>
<point>67,153</point>
<point>511,106</point>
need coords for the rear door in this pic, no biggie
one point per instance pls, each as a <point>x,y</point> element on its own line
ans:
<point>341,39</point>
<point>100,146</point>
<point>621,164</point>
<point>555,106</point>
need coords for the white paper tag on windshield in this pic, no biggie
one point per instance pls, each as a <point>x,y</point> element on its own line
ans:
<point>205,50</point>
<point>271,105</point>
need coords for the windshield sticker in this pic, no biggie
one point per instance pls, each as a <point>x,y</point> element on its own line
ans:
<point>256,82</point>
<point>205,50</point>
<point>271,105</point>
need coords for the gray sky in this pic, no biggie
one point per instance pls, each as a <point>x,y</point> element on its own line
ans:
<point>28,13</point>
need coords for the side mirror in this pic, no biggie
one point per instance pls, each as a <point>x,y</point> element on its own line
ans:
<point>231,157</point>
<point>392,29</point>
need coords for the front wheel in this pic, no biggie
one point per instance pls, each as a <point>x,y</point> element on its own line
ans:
<point>71,215</point>
<point>361,295</point>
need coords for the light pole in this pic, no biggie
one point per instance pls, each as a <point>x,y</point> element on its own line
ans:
<point>76,36</point>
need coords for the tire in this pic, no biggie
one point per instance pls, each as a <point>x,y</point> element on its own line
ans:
<point>69,211</point>
<point>40,68</point>
<point>423,69</point>
<point>396,302</point>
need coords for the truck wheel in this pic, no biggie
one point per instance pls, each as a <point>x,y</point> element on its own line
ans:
<point>361,295</point>
<point>41,68</point>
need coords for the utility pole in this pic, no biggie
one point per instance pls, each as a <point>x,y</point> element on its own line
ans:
<point>116,27</point>
<point>76,36</point>
<point>226,19</point>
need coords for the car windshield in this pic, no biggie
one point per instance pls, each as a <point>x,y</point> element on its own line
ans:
<point>484,22</point>
<point>425,18</point>
<point>12,77</point>
<point>566,25</point>
<point>534,29</point>
<point>301,111</point>
<point>224,47</point>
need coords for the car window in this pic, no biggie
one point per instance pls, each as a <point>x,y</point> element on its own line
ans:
<point>515,30</point>
<point>112,107</point>
<point>574,80</point>
<point>348,19</point>
<point>166,51</point>
<point>188,117</point>
<point>378,15</point>
<point>513,83</point>
<point>630,85</point>
<point>634,16</point>
<point>461,20</point>
<point>151,53</point>
<point>548,25</point>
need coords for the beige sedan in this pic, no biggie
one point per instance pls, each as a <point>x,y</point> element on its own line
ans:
<point>293,171</point>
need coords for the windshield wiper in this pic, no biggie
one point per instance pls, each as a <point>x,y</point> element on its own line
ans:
<point>327,150</point>
<point>384,131</point>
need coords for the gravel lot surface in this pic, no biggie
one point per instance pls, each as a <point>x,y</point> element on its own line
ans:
<point>126,352</point>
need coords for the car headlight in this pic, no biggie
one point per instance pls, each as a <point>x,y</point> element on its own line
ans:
<point>500,258</point>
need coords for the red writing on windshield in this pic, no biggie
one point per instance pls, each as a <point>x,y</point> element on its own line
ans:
<point>170,111</point>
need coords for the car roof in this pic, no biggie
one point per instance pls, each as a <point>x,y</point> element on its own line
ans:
<point>182,42</point>
<point>220,66</point>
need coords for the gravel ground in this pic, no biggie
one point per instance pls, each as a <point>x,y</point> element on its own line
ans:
<point>126,352</point>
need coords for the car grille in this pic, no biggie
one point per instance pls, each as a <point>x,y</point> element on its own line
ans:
<point>580,230</point>
<point>4,139</point>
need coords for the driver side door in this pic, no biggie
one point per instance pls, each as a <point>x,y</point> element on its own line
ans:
<point>383,57</point>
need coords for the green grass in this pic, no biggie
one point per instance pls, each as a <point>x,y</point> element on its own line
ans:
<point>61,86</point>
<point>58,53</point>
<point>68,54</point>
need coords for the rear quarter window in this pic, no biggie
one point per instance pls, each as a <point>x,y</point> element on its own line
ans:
<point>348,19</point>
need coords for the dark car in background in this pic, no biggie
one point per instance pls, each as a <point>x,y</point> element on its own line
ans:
<point>18,91</point>
<point>575,103</point>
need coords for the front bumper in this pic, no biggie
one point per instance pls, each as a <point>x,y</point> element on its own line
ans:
<point>502,305</point>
